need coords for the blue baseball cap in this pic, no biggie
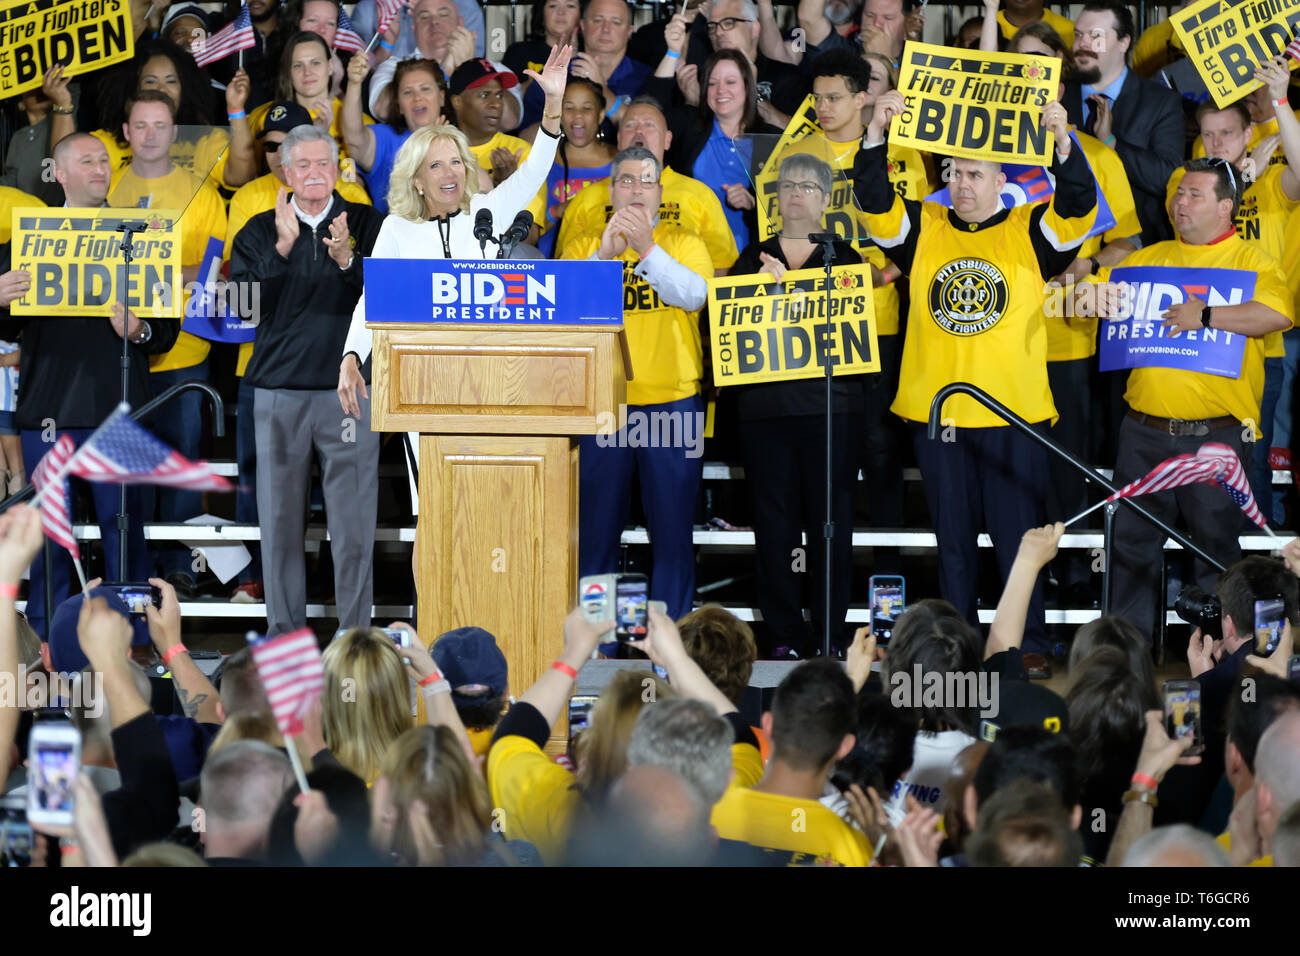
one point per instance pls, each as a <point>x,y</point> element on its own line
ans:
<point>469,658</point>
<point>66,655</point>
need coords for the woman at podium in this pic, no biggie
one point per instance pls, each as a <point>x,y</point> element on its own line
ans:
<point>434,199</point>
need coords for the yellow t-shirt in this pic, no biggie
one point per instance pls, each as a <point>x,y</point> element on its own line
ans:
<point>1182,394</point>
<point>203,231</point>
<point>663,340</point>
<point>1156,48</point>
<point>1075,337</point>
<point>804,830</point>
<point>1264,217</point>
<point>206,157</point>
<point>483,155</point>
<point>976,314</point>
<point>11,199</point>
<point>259,196</point>
<point>686,202</point>
<point>1063,27</point>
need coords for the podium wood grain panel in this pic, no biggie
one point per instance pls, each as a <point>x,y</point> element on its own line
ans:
<point>497,542</point>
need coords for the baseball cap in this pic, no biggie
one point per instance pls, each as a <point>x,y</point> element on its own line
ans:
<point>283,117</point>
<point>474,73</point>
<point>1023,703</point>
<point>469,658</point>
<point>66,654</point>
<point>179,10</point>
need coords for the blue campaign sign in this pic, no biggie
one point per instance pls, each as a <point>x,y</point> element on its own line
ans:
<point>1140,339</point>
<point>513,292</point>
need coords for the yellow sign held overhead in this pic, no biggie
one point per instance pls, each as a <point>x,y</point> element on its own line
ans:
<point>1227,39</point>
<point>75,260</point>
<point>768,331</point>
<point>83,35</point>
<point>975,105</point>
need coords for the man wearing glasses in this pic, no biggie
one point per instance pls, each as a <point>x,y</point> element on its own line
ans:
<point>660,436</point>
<point>249,200</point>
<point>1176,411</point>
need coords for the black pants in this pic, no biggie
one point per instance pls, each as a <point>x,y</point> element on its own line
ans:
<point>1213,519</point>
<point>785,467</point>
<point>1068,494</point>
<point>885,433</point>
<point>977,479</point>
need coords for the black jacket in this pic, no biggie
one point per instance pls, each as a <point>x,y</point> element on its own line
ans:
<point>143,809</point>
<point>1147,122</point>
<point>70,370</point>
<point>306,300</point>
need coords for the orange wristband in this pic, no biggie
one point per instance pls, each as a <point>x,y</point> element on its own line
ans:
<point>9,591</point>
<point>1146,780</point>
<point>564,668</point>
<point>171,652</point>
<point>431,679</point>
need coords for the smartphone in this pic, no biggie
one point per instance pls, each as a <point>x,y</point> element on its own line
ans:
<point>1270,618</point>
<point>1293,667</point>
<point>16,838</point>
<point>53,762</point>
<point>631,606</point>
<point>579,713</point>
<point>1183,713</point>
<point>400,636</point>
<point>888,600</point>
<point>137,596</point>
<point>596,597</point>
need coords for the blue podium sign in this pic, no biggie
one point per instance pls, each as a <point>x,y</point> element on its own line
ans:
<point>514,292</point>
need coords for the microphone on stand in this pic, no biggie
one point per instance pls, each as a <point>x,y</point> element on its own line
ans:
<point>516,234</point>
<point>483,230</point>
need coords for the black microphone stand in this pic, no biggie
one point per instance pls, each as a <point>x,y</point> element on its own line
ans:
<point>128,229</point>
<point>828,529</point>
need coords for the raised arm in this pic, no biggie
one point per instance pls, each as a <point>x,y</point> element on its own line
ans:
<point>1037,547</point>
<point>434,688</point>
<point>812,20</point>
<point>1276,76</point>
<point>770,42</point>
<point>1158,756</point>
<point>894,221</point>
<point>357,135</point>
<point>241,158</point>
<point>21,538</point>
<point>989,30</point>
<point>663,645</point>
<point>198,697</point>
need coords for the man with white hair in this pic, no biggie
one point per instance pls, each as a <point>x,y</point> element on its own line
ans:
<point>306,256</point>
<point>240,788</point>
<point>1177,845</point>
<point>1277,784</point>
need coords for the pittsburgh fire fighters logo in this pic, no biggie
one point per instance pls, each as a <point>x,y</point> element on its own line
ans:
<point>968,296</point>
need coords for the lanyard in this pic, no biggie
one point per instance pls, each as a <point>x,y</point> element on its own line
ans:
<point>444,230</point>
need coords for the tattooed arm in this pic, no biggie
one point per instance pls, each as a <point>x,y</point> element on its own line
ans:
<point>199,699</point>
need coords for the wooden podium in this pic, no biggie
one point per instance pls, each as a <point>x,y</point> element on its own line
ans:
<point>499,407</point>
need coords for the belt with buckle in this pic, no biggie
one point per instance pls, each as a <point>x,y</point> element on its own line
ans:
<point>1180,428</point>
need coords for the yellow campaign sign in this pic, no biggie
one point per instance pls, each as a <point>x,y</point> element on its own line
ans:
<point>768,331</point>
<point>1228,39</point>
<point>83,35</point>
<point>75,260</point>
<point>975,105</point>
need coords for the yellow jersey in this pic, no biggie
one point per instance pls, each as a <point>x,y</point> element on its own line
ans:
<point>1264,216</point>
<point>686,202</point>
<point>203,232</point>
<point>205,157</point>
<point>804,831</point>
<point>1183,394</point>
<point>11,199</point>
<point>1063,27</point>
<point>259,196</point>
<point>1075,337</point>
<point>663,340</point>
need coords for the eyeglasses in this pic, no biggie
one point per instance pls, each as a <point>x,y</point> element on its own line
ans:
<point>1220,163</point>
<point>268,147</point>
<point>807,188</point>
<point>627,182</point>
<point>726,24</point>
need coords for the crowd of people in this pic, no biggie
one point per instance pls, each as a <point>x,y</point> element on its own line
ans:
<point>644,145</point>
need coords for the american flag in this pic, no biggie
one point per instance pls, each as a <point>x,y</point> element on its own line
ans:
<point>122,452</point>
<point>293,674</point>
<point>1214,462</point>
<point>347,38</point>
<point>387,10</point>
<point>238,35</point>
<point>1293,48</point>
<point>55,516</point>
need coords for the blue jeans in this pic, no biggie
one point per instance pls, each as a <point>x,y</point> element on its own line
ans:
<point>1261,475</point>
<point>106,503</point>
<point>670,483</point>
<point>246,497</point>
<point>179,423</point>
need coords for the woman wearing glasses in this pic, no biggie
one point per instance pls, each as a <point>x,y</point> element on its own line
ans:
<point>783,434</point>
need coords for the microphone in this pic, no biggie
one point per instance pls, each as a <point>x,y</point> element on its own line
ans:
<point>483,229</point>
<point>823,237</point>
<point>516,234</point>
<point>129,227</point>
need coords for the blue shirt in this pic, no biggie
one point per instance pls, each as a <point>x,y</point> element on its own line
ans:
<point>723,161</point>
<point>387,142</point>
<point>1111,91</point>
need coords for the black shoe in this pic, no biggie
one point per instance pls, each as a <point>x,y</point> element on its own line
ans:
<point>183,584</point>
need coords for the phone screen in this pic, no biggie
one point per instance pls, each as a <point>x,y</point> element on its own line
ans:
<point>579,714</point>
<point>136,597</point>
<point>1270,617</point>
<point>16,838</point>
<point>887,603</point>
<point>1183,714</point>
<point>52,776</point>
<point>1293,667</point>
<point>631,602</point>
<point>400,636</point>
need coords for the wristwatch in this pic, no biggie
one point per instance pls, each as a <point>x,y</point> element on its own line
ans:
<point>1205,317</point>
<point>1096,265</point>
<point>144,334</point>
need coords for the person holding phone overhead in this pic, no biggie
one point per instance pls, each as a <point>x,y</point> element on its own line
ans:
<point>434,196</point>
